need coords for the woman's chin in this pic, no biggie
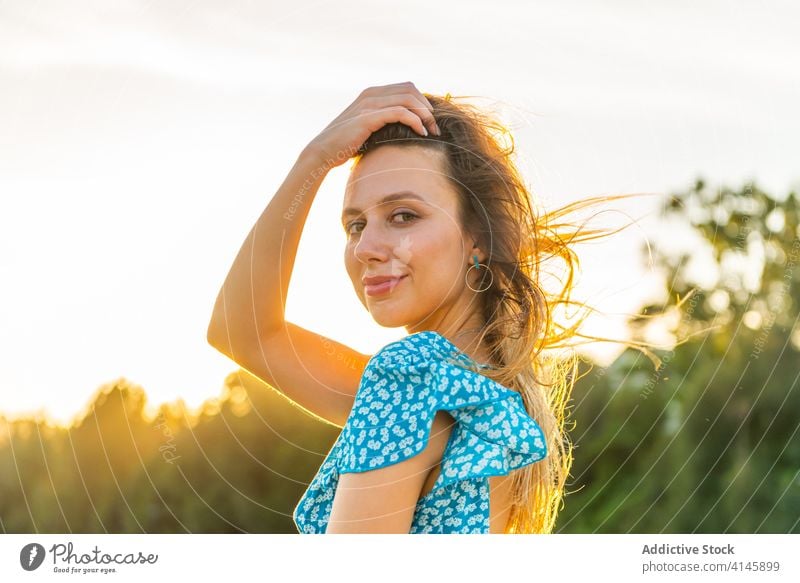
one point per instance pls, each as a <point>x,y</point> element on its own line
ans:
<point>389,322</point>
<point>387,317</point>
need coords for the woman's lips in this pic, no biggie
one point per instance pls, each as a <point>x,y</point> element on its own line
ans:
<point>383,288</point>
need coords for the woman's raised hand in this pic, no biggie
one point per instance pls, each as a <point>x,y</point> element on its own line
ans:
<point>372,109</point>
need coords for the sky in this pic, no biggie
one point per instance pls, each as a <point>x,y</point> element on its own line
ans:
<point>140,141</point>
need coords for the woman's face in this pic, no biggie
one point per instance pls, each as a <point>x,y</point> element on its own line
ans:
<point>401,221</point>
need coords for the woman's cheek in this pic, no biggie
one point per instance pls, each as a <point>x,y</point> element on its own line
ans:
<point>405,250</point>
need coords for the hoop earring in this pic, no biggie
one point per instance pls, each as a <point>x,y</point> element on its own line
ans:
<point>477,266</point>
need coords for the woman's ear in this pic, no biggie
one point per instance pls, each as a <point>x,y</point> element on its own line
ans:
<point>475,251</point>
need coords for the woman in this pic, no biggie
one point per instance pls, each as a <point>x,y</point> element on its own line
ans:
<point>459,427</point>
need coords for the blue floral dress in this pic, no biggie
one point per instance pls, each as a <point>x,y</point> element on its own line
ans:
<point>402,388</point>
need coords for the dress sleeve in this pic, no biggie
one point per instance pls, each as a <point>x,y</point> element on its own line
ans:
<point>395,406</point>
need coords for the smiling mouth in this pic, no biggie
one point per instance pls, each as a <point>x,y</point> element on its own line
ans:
<point>382,288</point>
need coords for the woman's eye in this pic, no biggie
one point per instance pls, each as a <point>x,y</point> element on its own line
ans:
<point>407,214</point>
<point>350,228</point>
<point>408,217</point>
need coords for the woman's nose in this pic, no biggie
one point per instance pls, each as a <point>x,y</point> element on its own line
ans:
<point>372,245</point>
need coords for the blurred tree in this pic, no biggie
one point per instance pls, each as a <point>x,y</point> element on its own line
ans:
<point>240,464</point>
<point>706,441</point>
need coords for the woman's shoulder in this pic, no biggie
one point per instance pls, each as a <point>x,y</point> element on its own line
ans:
<point>413,348</point>
<point>425,367</point>
<point>419,348</point>
<point>407,382</point>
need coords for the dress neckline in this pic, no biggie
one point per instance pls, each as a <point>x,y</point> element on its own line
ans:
<point>453,347</point>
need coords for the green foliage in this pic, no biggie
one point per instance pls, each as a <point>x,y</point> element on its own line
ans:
<point>240,465</point>
<point>707,442</point>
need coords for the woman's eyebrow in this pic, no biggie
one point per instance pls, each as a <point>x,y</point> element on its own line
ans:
<point>403,194</point>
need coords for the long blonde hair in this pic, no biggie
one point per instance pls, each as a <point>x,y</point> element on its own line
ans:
<point>520,332</point>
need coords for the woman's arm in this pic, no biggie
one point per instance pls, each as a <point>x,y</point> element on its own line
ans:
<point>383,500</point>
<point>252,300</point>
<point>248,322</point>
<point>248,325</point>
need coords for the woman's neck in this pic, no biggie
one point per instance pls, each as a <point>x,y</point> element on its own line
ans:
<point>465,336</point>
<point>467,341</point>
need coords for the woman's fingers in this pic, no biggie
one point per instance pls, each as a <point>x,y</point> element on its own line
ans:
<point>372,109</point>
<point>410,102</point>
<point>411,97</point>
<point>387,115</point>
<point>407,86</point>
